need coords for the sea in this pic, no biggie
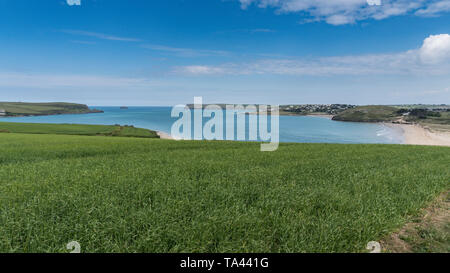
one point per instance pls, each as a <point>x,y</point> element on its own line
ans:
<point>299,129</point>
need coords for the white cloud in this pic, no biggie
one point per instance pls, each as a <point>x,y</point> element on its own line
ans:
<point>74,2</point>
<point>339,19</point>
<point>52,81</point>
<point>434,92</point>
<point>247,30</point>
<point>436,49</point>
<point>339,12</point>
<point>201,70</point>
<point>422,93</point>
<point>256,30</point>
<point>186,52</point>
<point>83,42</point>
<point>435,8</point>
<point>432,58</point>
<point>374,2</point>
<point>100,36</point>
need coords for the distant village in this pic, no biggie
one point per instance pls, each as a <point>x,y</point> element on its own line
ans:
<point>334,109</point>
<point>331,109</point>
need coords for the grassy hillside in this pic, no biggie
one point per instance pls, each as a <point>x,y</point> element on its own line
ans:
<point>371,113</point>
<point>145,195</point>
<point>435,117</point>
<point>437,123</point>
<point>55,108</point>
<point>76,129</point>
<point>423,106</point>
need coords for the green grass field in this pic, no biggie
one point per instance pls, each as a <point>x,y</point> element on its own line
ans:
<point>50,108</point>
<point>151,195</point>
<point>76,129</point>
<point>371,113</point>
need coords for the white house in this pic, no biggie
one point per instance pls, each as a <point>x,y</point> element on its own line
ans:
<point>2,112</point>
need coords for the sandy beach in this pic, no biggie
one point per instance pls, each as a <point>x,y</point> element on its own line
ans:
<point>163,135</point>
<point>320,116</point>
<point>417,135</point>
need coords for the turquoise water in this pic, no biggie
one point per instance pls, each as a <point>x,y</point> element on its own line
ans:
<point>292,128</point>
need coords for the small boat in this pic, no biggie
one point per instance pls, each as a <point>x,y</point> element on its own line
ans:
<point>123,107</point>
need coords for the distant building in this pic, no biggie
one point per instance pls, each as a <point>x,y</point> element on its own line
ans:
<point>2,112</point>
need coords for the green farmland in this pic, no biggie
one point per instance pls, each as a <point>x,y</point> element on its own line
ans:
<point>42,109</point>
<point>76,129</point>
<point>151,195</point>
<point>370,113</point>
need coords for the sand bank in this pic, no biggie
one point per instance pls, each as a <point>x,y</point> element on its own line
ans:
<point>163,135</point>
<point>320,116</point>
<point>417,135</point>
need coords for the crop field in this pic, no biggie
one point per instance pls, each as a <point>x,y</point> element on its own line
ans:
<point>51,108</point>
<point>76,129</point>
<point>151,195</point>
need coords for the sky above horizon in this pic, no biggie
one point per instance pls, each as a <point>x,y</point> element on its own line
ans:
<point>117,52</point>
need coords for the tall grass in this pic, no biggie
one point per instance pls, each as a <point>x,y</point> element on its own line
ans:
<point>145,195</point>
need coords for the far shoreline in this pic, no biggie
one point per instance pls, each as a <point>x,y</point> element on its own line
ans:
<point>164,135</point>
<point>413,134</point>
<point>320,116</point>
<point>56,114</point>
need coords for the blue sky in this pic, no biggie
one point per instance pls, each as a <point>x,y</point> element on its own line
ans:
<point>117,52</point>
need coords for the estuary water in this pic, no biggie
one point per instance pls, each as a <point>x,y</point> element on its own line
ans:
<point>303,129</point>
